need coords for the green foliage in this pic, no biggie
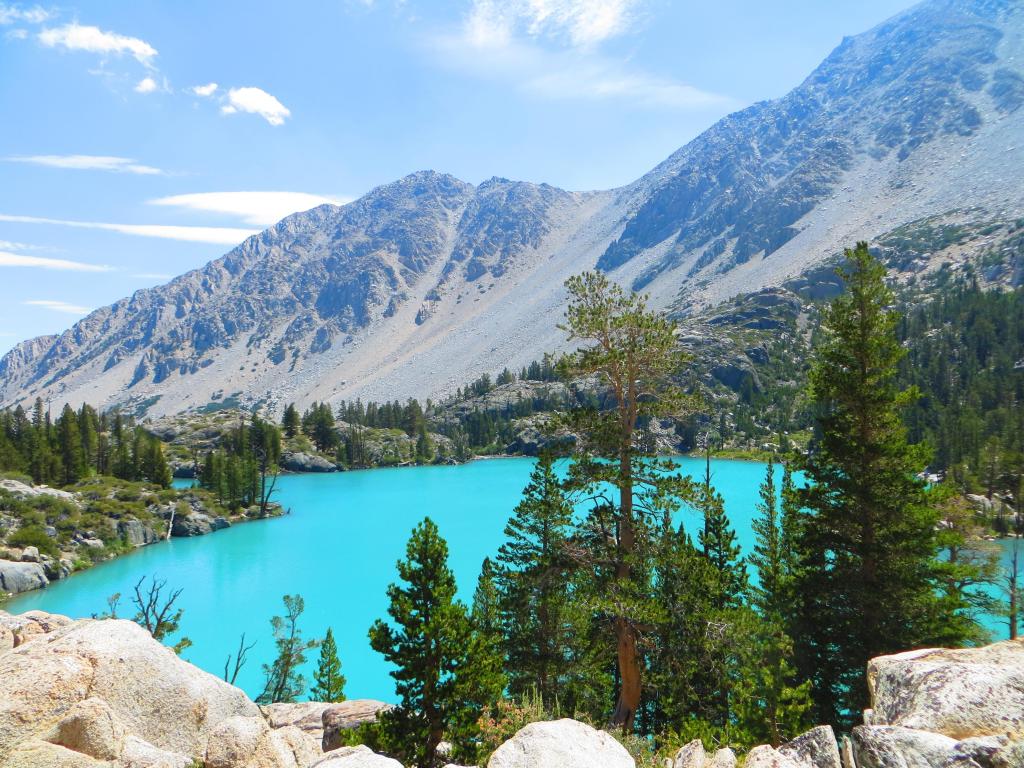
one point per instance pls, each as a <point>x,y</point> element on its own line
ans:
<point>155,611</point>
<point>329,682</point>
<point>283,680</point>
<point>446,673</point>
<point>868,581</point>
<point>34,536</point>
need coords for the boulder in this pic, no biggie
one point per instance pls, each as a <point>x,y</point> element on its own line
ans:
<point>815,749</point>
<point>193,524</point>
<point>92,728</point>
<point>18,577</point>
<point>691,755</point>
<point>136,533</point>
<point>37,753</point>
<point>893,746</point>
<point>248,742</point>
<point>220,523</point>
<point>306,462</point>
<point>141,754</point>
<point>980,751</point>
<point>159,698</point>
<point>767,757</point>
<point>1010,756</point>
<point>561,744</point>
<point>723,758</point>
<point>355,757</point>
<point>307,716</point>
<point>30,555</point>
<point>959,693</point>
<point>346,715</point>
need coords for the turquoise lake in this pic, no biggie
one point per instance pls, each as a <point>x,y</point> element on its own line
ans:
<point>338,548</point>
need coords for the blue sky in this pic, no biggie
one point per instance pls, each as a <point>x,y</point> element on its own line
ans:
<point>142,139</point>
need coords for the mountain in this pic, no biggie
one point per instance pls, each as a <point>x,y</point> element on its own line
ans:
<point>430,281</point>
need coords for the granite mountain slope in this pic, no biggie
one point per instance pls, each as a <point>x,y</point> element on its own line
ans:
<point>430,281</point>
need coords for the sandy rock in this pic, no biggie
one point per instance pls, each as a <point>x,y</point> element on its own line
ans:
<point>248,742</point>
<point>723,758</point>
<point>18,577</point>
<point>1010,756</point>
<point>307,715</point>
<point>346,715</point>
<point>41,754</point>
<point>355,757</point>
<point>765,756</point>
<point>893,746</point>
<point>141,754</point>
<point>560,744</point>
<point>979,751</point>
<point>92,728</point>
<point>691,755</point>
<point>815,749</point>
<point>158,697</point>
<point>960,693</point>
<point>6,638</point>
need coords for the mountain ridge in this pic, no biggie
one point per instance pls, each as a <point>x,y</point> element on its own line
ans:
<point>429,281</point>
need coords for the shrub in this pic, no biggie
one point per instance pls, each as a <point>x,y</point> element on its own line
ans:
<point>34,536</point>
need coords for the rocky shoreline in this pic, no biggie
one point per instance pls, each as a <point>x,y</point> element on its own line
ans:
<point>101,692</point>
<point>24,569</point>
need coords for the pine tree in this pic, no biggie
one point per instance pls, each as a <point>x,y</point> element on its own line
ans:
<point>541,622</point>
<point>291,421</point>
<point>330,683</point>
<point>446,674</point>
<point>283,680</point>
<point>718,543</point>
<point>774,707</point>
<point>867,536</point>
<point>485,611</point>
<point>69,438</point>
<point>633,352</point>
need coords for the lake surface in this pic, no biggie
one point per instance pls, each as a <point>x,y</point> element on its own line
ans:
<point>338,548</point>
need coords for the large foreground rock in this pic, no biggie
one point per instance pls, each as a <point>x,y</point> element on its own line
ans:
<point>356,757</point>
<point>18,577</point>
<point>892,746</point>
<point>91,683</point>
<point>959,693</point>
<point>817,748</point>
<point>560,744</point>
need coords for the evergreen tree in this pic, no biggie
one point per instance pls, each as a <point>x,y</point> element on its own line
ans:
<point>291,421</point>
<point>69,438</point>
<point>869,577</point>
<point>718,543</point>
<point>486,612</point>
<point>329,682</point>
<point>633,352</point>
<point>446,674</point>
<point>543,626</point>
<point>283,680</point>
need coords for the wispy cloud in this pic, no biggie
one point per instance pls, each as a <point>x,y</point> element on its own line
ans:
<point>204,90</point>
<point>11,14</point>
<point>10,245</point>
<point>257,208</point>
<point>58,306</point>
<point>256,101</point>
<point>78,37</point>
<point>88,163</point>
<point>549,49</point>
<point>38,262</point>
<point>216,235</point>
<point>146,85</point>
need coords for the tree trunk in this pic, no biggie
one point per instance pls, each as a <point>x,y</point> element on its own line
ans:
<point>625,633</point>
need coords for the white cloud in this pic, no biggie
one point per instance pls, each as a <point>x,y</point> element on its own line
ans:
<point>579,22</point>
<point>37,262</point>
<point>216,235</point>
<point>494,45</point>
<point>204,90</point>
<point>258,208</point>
<point>258,102</point>
<point>9,14</point>
<point>76,37</point>
<point>17,34</point>
<point>8,245</point>
<point>58,306</point>
<point>146,85</point>
<point>88,163</point>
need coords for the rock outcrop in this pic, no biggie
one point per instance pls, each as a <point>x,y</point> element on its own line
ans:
<point>336,719</point>
<point>306,462</point>
<point>18,577</point>
<point>561,744</point>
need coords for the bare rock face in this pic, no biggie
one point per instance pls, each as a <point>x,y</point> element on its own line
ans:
<point>887,746</point>
<point>560,744</point>
<point>816,749</point>
<point>355,757</point>
<point>723,758</point>
<point>959,693</point>
<point>86,686</point>
<point>18,577</point>
<point>767,757</point>
<point>690,755</point>
<point>346,715</point>
<point>248,742</point>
